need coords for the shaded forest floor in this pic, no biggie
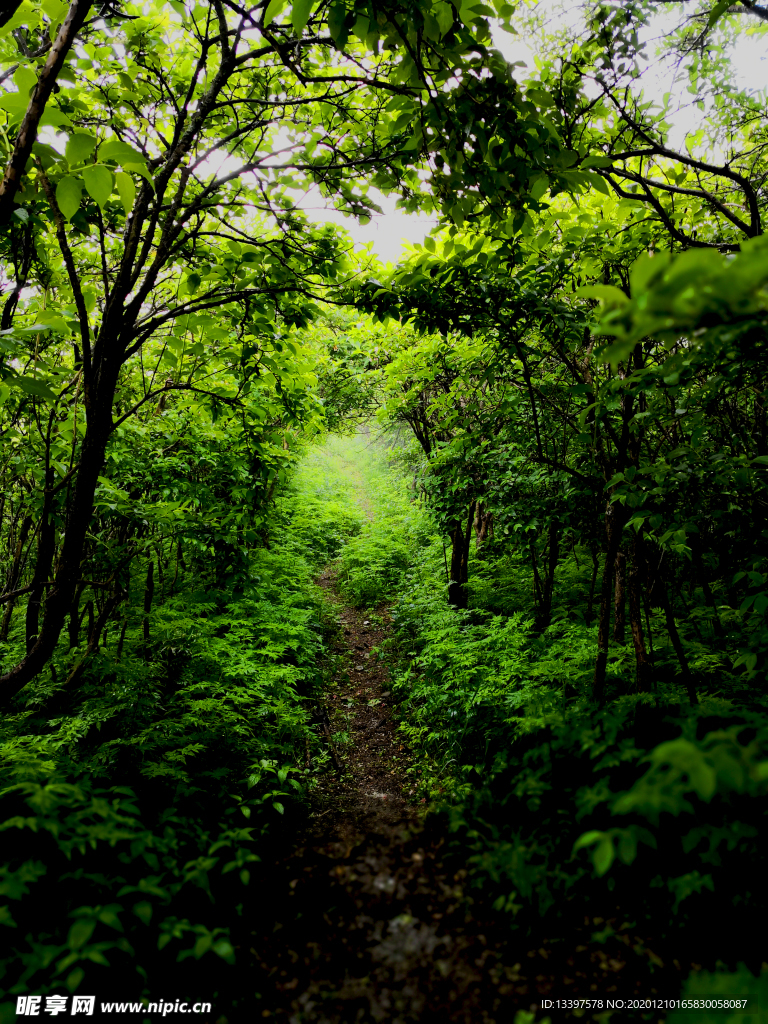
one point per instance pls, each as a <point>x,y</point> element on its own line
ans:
<point>378,921</point>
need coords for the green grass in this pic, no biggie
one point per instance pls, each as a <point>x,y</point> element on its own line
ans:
<point>347,500</point>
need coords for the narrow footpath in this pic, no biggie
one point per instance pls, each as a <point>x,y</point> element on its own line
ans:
<point>374,926</point>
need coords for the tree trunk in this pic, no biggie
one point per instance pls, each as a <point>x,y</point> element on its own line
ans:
<point>76,524</point>
<point>614,524</point>
<point>634,587</point>
<point>13,578</point>
<point>95,633</point>
<point>74,617</point>
<point>709,598</point>
<point>27,133</point>
<point>544,616</point>
<point>460,540</point>
<point>592,582</point>
<point>121,640</point>
<point>149,592</point>
<point>482,526</point>
<point>620,598</point>
<point>677,643</point>
<point>45,551</point>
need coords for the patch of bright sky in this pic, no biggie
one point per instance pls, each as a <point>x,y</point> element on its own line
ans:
<point>391,231</point>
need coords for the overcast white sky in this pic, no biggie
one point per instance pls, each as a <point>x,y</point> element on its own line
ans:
<point>391,231</point>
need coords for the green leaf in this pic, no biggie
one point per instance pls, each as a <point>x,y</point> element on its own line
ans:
<point>599,184</point>
<point>126,190</point>
<point>223,948</point>
<point>80,932</point>
<point>274,7</point>
<point>603,856</point>
<point>32,387</point>
<point>300,13</point>
<point>120,152</point>
<point>587,839</point>
<point>68,194</point>
<point>717,12</point>
<point>55,9</point>
<point>606,293</point>
<point>645,270</point>
<point>143,911</point>
<point>55,117</point>
<point>26,80</point>
<point>25,14</point>
<point>336,18</point>
<point>539,187</point>
<point>5,917</point>
<point>79,148</point>
<point>15,104</point>
<point>138,169</point>
<point>99,182</point>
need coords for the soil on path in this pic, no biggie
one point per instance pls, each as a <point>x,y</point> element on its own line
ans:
<point>376,924</point>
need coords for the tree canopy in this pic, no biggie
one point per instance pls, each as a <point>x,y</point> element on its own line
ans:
<point>570,370</point>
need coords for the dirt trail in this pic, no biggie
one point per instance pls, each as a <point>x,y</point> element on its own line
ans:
<point>380,930</point>
<point>373,925</point>
<point>367,795</point>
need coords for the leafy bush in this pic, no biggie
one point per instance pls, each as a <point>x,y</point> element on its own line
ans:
<point>141,803</point>
<point>648,810</point>
<point>740,984</point>
<point>591,810</point>
<point>372,566</point>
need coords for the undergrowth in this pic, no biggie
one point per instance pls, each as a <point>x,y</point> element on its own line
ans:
<point>142,809</point>
<point>648,811</point>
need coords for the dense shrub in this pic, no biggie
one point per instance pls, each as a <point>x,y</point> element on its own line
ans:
<point>139,809</point>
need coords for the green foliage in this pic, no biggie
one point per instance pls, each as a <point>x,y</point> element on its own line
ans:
<point>558,807</point>
<point>155,791</point>
<point>372,564</point>
<point>678,844</point>
<point>740,985</point>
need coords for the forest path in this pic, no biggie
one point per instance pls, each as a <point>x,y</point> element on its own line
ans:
<point>375,927</point>
<point>372,923</point>
<point>370,916</point>
<point>367,794</point>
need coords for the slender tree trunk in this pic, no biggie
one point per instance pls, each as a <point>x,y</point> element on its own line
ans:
<point>149,592</point>
<point>13,578</point>
<point>121,641</point>
<point>460,540</point>
<point>482,526</point>
<point>620,598</point>
<point>45,552</point>
<point>22,149</point>
<point>74,617</point>
<point>677,643</point>
<point>592,582</point>
<point>179,564</point>
<point>702,574</point>
<point>77,522</point>
<point>538,596</point>
<point>88,610</point>
<point>95,633</point>
<point>634,586</point>
<point>544,617</point>
<point>160,572</point>
<point>614,524</point>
